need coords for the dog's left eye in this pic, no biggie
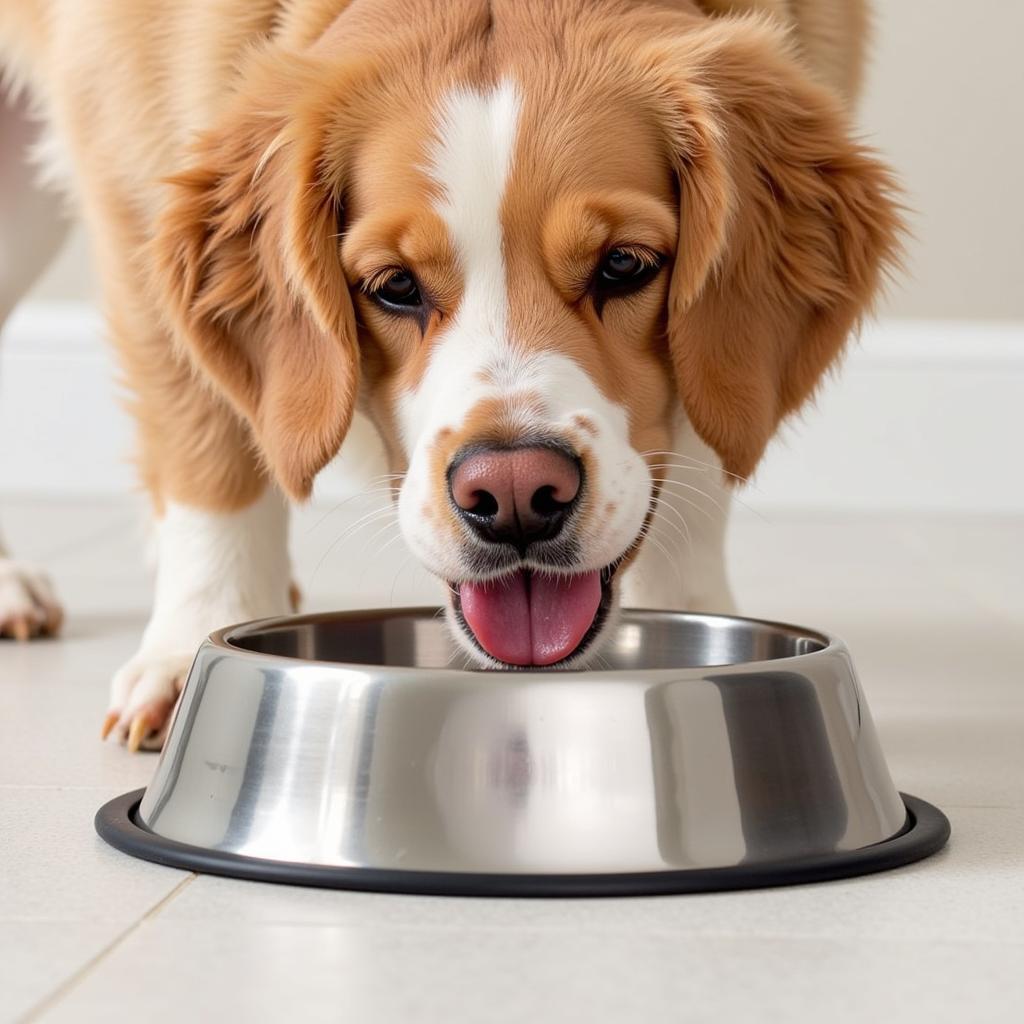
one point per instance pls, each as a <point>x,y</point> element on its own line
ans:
<point>627,268</point>
<point>398,288</point>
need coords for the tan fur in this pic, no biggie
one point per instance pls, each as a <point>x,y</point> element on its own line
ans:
<point>832,37</point>
<point>221,148</point>
<point>792,224</point>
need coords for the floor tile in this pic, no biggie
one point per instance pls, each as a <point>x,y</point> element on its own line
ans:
<point>968,758</point>
<point>37,957</point>
<point>55,867</point>
<point>984,556</point>
<point>56,693</point>
<point>936,661</point>
<point>269,973</point>
<point>968,892</point>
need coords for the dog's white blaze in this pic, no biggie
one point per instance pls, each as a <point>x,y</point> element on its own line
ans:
<point>469,163</point>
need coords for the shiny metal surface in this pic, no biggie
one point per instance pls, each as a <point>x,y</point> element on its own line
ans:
<point>350,740</point>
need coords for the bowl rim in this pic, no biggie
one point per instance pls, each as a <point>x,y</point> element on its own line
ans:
<point>222,639</point>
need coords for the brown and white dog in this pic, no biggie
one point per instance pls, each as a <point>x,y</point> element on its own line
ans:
<point>571,257</point>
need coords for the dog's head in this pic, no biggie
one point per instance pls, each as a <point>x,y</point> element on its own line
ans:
<point>523,245</point>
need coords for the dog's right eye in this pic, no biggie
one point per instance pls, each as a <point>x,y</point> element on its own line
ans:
<point>396,289</point>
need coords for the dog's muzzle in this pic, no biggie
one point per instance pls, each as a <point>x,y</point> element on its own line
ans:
<point>531,609</point>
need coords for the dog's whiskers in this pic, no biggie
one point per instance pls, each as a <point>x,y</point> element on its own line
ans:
<point>697,490</point>
<point>392,540</point>
<point>708,475</point>
<point>365,520</point>
<point>362,523</point>
<point>709,468</point>
<point>390,525</point>
<point>398,573</point>
<point>366,492</point>
<point>393,524</point>
<point>677,541</point>
<point>732,497</point>
<point>682,528</point>
<point>698,462</point>
<point>667,467</point>
<point>645,535</point>
<point>666,489</point>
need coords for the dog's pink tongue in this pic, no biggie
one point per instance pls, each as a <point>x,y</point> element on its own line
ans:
<point>535,621</point>
<point>561,612</point>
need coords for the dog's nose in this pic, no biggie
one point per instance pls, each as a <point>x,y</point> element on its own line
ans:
<point>515,495</point>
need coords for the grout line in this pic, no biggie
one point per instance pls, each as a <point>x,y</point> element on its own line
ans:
<point>67,986</point>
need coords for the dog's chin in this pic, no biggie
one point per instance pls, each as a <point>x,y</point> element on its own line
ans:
<point>584,654</point>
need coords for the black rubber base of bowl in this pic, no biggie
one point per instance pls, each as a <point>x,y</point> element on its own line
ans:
<point>926,832</point>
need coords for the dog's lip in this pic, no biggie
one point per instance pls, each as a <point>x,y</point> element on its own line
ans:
<point>607,575</point>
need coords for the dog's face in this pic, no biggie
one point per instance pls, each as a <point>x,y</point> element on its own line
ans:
<point>511,276</point>
<point>522,268</point>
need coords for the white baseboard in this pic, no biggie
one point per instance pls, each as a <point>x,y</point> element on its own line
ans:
<point>924,416</point>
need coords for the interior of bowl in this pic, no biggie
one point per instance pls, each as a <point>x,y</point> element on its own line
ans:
<point>419,638</point>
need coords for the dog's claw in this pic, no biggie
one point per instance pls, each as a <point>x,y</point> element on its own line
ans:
<point>54,620</point>
<point>138,731</point>
<point>112,718</point>
<point>149,727</point>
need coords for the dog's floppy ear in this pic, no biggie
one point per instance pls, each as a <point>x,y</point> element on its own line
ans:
<point>245,257</point>
<point>787,226</point>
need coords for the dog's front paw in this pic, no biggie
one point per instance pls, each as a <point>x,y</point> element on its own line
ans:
<point>28,605</point>
<point>142,697</point>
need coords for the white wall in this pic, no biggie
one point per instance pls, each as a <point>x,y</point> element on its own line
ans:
<point>945,103</point>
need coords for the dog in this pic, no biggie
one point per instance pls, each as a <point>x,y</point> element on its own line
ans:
<point>574,259</point>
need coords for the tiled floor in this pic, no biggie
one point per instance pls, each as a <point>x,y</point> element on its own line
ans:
<point>934,613</point>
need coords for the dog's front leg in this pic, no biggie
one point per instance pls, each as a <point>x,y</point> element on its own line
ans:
<point>213,569</point>
<point>681,563</point>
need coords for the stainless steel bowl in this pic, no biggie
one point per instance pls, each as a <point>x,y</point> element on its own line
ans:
<point>355,750</point>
